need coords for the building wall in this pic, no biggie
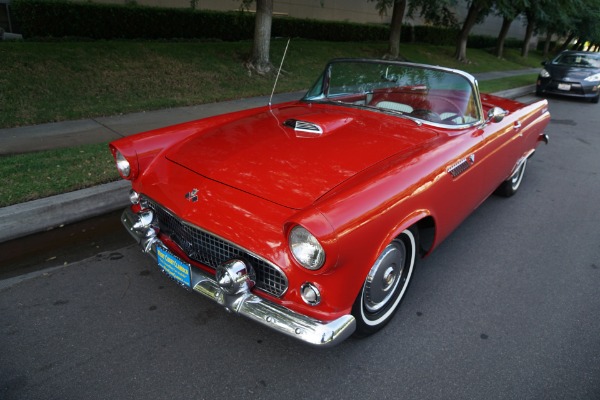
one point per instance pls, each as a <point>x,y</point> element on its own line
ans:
<point>337,10</point>
<point>333,10</point>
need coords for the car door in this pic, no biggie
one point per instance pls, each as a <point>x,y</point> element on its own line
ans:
<point>502,146</point>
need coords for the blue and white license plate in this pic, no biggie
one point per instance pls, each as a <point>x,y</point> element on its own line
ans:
<point>173,266</point>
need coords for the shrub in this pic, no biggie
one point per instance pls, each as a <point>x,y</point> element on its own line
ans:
<point>62,18</point>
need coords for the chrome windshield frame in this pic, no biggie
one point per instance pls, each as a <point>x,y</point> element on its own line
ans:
<point>324,83</point>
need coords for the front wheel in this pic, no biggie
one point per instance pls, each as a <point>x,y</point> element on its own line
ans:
<point>385,284</point>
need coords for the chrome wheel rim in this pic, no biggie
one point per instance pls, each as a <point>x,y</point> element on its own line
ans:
<point>384,277</point>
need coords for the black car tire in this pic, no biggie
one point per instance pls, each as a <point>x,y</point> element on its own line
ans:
<point>386,284</point>
<point>512,184</point>
<point>595,99</point>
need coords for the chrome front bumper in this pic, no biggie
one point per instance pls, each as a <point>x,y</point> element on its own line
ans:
<point>267,313</point>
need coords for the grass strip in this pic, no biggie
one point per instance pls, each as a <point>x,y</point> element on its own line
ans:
<point>496,85</point>
<point>31,176</point>
<point>57,81</point>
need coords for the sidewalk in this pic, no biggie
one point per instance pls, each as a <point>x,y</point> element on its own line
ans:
<point>45,214</point>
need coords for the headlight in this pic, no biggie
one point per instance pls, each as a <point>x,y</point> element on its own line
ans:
<point>593,78</point>
<point>122,165</point>
<point>306,249</point>
<point>544,74</point>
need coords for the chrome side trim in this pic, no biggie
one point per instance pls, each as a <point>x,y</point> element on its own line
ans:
<point>249,305</point>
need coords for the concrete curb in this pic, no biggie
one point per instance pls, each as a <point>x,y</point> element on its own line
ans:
<point>51,212</point>
<point>45,214</point>
<point>516,92</point>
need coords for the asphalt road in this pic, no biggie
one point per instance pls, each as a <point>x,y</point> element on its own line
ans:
<point>508,307</point>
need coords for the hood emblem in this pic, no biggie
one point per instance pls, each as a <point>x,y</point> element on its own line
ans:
<point>192,196</point>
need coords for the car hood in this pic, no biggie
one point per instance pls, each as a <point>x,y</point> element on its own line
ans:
<point>568,73</point>
<point>272,156</point>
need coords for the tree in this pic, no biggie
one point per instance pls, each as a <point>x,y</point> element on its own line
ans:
<point>587,29</point>
<point>259,59</point>
<point>532,13</point>
<point>478,9</point>
<point>438,12</point>
<point>434,12</point>
<point>398,8</point>
<point>563,18</point>
<point>559,19</point>
<point>508,10</point>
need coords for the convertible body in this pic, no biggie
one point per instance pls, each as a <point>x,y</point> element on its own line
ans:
<point>308,217</point>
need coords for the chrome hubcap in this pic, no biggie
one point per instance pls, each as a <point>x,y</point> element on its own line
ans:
<point>388,278</point>
<point>384,277</point>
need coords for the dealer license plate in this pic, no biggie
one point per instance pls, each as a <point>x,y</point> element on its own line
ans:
<point>564,86</point>
<point>173,266</point>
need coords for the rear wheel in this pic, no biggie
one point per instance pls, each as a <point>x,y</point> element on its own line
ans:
<point>512,184</point>
<point>385,284</point>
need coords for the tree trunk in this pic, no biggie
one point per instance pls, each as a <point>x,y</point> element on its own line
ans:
<point>461,46</point>
<point>527,40</point>
<point>547,43</point>
<point>259,61</point>
<point>396,29</point>
<point>506,22</point>
<point>565,45</point>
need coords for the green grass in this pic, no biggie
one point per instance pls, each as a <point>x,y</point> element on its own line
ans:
<point>30,176</point>
<point>496,85</point>
<point>63,80</point>
<point>56,81</point>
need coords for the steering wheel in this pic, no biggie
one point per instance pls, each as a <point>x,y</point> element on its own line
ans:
<point>452,113</point>
<point>426,114</point>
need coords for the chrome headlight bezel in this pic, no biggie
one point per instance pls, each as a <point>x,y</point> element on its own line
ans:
<point>305,248</point>
<point>544,73</point>
<point>123,165</point>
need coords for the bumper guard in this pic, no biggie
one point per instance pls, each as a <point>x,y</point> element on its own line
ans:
<point>247,304</point>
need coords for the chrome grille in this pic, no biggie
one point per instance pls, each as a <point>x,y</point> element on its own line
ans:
<point>211,250</point>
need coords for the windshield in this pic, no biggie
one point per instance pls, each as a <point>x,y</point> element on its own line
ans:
<point>578,60</point>
<point>432,95</point>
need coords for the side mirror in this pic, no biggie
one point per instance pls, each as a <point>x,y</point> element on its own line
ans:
<point>544,63</point>
<point>496,114</point>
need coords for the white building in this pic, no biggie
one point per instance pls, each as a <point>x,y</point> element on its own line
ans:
<point>347,10</point>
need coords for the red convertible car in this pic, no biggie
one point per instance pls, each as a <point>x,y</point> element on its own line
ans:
<point>308,217</point>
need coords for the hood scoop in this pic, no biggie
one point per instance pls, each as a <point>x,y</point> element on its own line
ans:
<point>304,126</point>
<point>313,124</point>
